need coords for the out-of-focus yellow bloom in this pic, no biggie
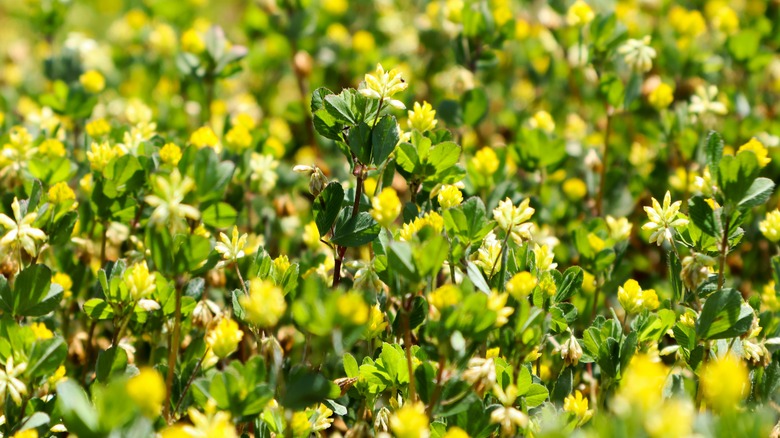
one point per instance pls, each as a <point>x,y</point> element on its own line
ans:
<point>311,235</point>
<point>410,421</point>
<point>352,307</point>
<point>521,285</point>
<point>281,264</point>
<point>544,257</point>
<point>575,189</point>
<point>41,331</point>
<point>335,7</point>
<point>596,243</point>
<point>485,161</point>
<point>386,207</point>
<point>244,120</point>
<point>633,298</point>
<point>442,298</point>
<point>168,198</point>
<point>769,298</point>
<point>140,282</point>
<point>63,280</point>
<point>363,41</point>
<point>705,101</point>
<point>497,303</point>
<point>638,54</point>
<point>263,167</point>
<point>661,97</point>
<point>60,192</point>
<point>100,154</point>
<point>212,424</point>
<point>673,418</point>
<point>770,226</point>
<point>579,14</point>
<point>456,432</point>
<point>224,338</point>
<point>619,228</point>
<point>643,382</point>
<point>98,128</point>
<point>383,85</point>
<point>725,382</point>
<point>722,16</point>
<point>170,154</point>
<point>449,196</point>
<point>238,139</point>
<point>689,24</point>
<point>542,120</point>
<point>588,282</point>
<point>577,405</point>
<point>192,42</point>
<point>422,117</point>
<point>52,147</point>
<point>204,137</point>
<point>92,81</point>
<point>547,286</point>
<point>162,39</point>
<point>27,433</point>
<point>147,390</point>
<point>265,304</point>
<point>758,148</point>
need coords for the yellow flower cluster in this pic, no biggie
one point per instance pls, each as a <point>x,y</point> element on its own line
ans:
<point>265,303</point>
<point>634,299</point>
<point>431,219</point>
<point>224,338</point>
<point>386,206</point>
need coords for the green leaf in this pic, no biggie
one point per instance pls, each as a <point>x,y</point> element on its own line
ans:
<point>475,106</point>
<point>384,138</point>
<point>34,295</point>
<point>211,176</point>
<point>98,309</point>
<point>536,395</point>
<point>744,45</point>
<point>571,283</point>
<point>351,365</point>
<point>46,356</point>
<point>675,269</point>
<point>714,152</point>
<point>327,206</point>
<point>724,316</point>
<point>563,386</point>
<point>219,215</point>
<point>702,215</point>
<point>340,107</point>
<point>443,156</point>
<point>318,99</point>
<point>110,362</point>
<point>736,175</point>
<point>359,139</point>
<point>306,389</point>
<point>356,231</point>
<point>757,194</point>
<point>78,414</point>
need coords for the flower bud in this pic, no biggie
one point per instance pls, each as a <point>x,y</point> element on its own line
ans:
<point>571,352</point>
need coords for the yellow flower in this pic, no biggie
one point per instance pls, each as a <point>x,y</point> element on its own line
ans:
<point>212,424</point>
<point>352,307</point>
<point>725,382</point>
<point>140,283</point>
<point>410,421</point>
<point>204,137</point>
<point>363,41</point>
<point>60,192</point>
<point>634,299</point>
<point>456,432</point>
<point>386,207</point>
<point>376,321</point>
<point>92,81</point>
<point>265,304</point>
<point>98,128</point>
<point>192,42</point>
<point>497,303</point>
<point>281,264</point>
<point>769,298</point>
<point>27,433</point>
<point>521,285</point>
<point>383,85</point>
<point>444,297</point>
<point>231,248</point>
<point>664,219</point>
<point>52,147</point>
<point>770,226</point>
<point>757,148</point>
<point>245,120</point>
<point>335,7</point>
<point>422,117</point>
<point>638,54</point>
<point>577,405</point>
<point>20,231</point>
<point>643,382</point>
<point>547,285</point>
<point>147,390</point>
<point>311,235</point>
<point>170,154</point>
<point>449,196</point>
<point>596,243</point>
<point>619,228</point>
<point>588,282</point>
<point>224,338</point>
<point>63,280</point>
<point>575,189</point>
<point>542,120</point>
<point>41,331</point>
<point>674,418</point>
<point>300,424</point>
<point>579,14</point>
<point>100,154</point>
<point>238,139</point>
<point>58,376</point>
<point>544,257</point>
<point>485,161</point>
<point>661,97</point>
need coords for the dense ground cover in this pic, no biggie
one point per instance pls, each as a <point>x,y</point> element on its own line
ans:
<point>408,218</point>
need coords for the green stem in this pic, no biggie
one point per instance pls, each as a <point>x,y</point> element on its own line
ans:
<point>724,249</point>
<point>173,354</point>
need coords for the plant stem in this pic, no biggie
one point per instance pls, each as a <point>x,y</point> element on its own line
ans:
<point>439,386</point>
<point>174,351</point>
<point>241,279</point>
<point>118,333</point>
<point>189,382</point>
<point>103,244</point>
<point>341,250</point>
